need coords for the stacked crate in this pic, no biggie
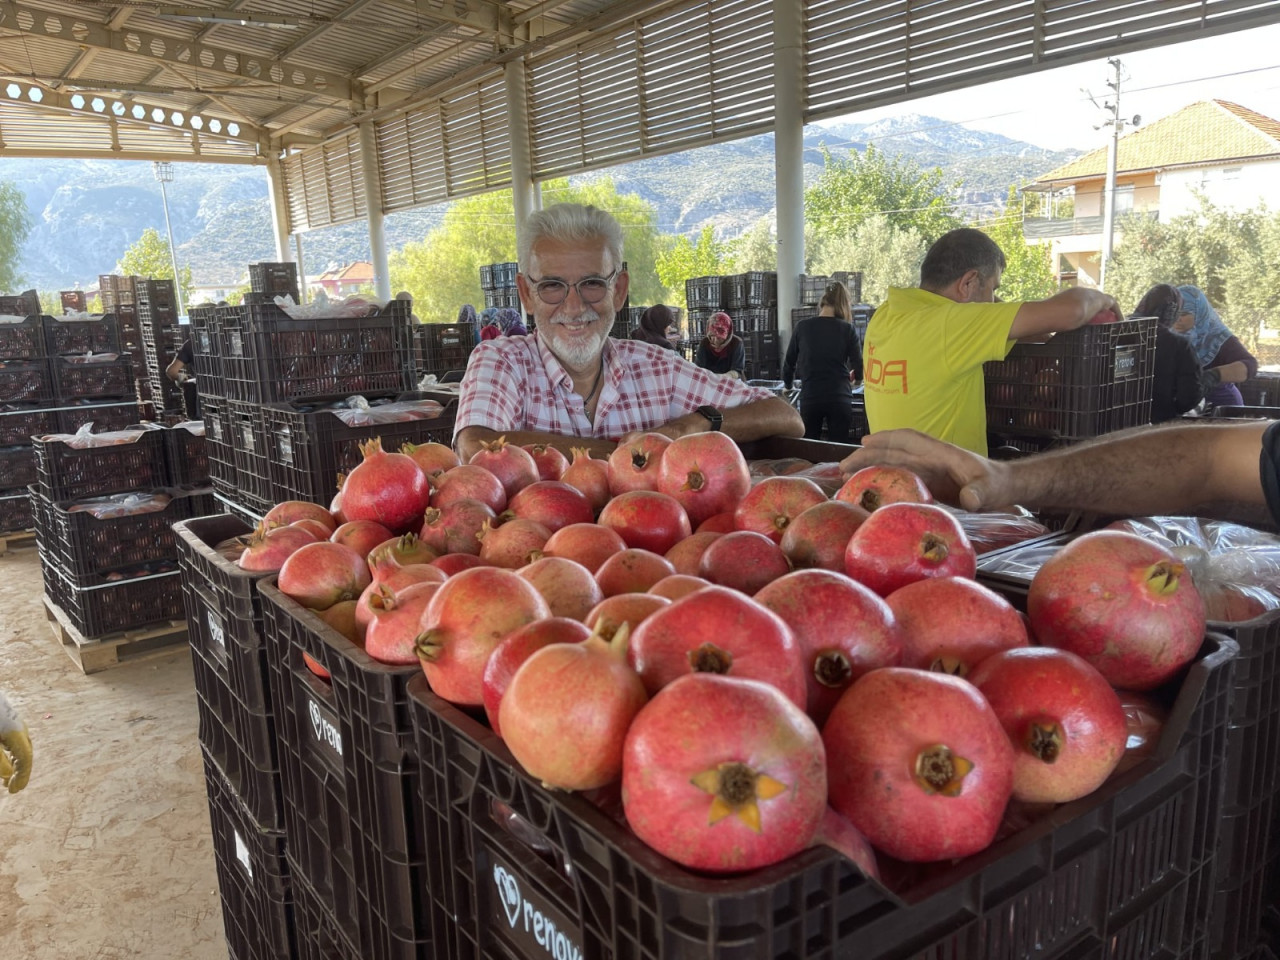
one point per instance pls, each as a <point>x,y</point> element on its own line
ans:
<point>751,299</point>
<point>117,295</point>
<point>73,301</point>
<point>120,572</point>
<point>273,279</point>
<point>441,348</point>
<point>50,382</point>
<point>158,323</point>
<point>498,281</point>
<point>813,286</point>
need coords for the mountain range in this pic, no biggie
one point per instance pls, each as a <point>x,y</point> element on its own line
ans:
<point>86,213</point>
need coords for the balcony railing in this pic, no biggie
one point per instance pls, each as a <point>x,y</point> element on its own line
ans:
<point>1042,228</point>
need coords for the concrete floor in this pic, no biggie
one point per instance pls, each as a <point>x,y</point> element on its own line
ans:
<point>107,854</point>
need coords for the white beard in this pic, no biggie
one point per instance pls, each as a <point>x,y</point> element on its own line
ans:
<point>579,354</point>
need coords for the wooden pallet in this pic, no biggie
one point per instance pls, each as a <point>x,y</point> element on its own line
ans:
<point>94,654</point>
<point>20,539</point>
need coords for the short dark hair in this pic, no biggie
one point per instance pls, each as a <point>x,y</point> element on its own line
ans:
<point>1163,301</point>
<point>957,252</point>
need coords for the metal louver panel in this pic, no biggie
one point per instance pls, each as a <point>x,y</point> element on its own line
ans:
<point>449,148</point>
<point>696,75</point>
<point>866,53</point>
<point>324,184</point>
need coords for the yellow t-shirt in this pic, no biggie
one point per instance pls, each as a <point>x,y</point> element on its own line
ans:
<point>923,361</point>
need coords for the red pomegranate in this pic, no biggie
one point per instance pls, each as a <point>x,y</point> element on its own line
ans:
<point>567,709</point>
<point>512,465</point>
<point>743,560</point>
<point>387,579</point>
<point>386,487</point>
<point>515,650</point>
<point>873,487</point>
<point>268,549</point>
<point>471,483</point>
<point>319,575</point>
<point>718,630</point>
<point>394,625</point>
<point>771,505</point>
<point>1122,603</point>
<point>678,585</point>
<point>904,542</point>
<point>432,457</point>
<point>1065,722</point>
<point>629,608</point>
<point>512,544</point>
<point>718,523</point>
<point>588,543</point>
<point>1235,603</point>
<point>589,476</point>
<point>471,613</point>
<point>552,504</point>
<point>314,527</point>
<point>632,571</point>
<point>568,587</point>
<point>401,551</point>
<point>647,520</point>
<point>335,505</point>
<point>706,473</point>
<point>452,563</point>
<point>842,628</point>
<point>361,535</point>
<point>291,511</point>
<point>819,536</point>
<point>686,556</point>
<point>342,617</point>
<point>839,834</point>
<point>723,774</point>
<point>455,527</point>
<point>951,624</point>
<point>919,763</point>
<point>551,463</point>
<point>634,465</point>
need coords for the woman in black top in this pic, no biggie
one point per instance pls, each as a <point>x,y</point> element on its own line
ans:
<point>721,350</point>
<point>655,324</point>
<point>826,353</point>
<point>1176,385</point>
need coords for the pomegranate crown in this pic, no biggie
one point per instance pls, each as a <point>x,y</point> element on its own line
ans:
<point>371,447</point>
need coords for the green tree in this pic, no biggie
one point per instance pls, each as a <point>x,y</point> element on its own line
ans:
<point>1028,272</point>
<point>149,257</point>
<point>887,254</point>
<point>15,225</point>
<point>756,249</point>
<point>442,271</point>
<point>684,259</point>
<point>852,189</point>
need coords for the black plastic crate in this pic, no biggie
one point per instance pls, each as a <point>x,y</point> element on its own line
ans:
<point>756,320</point>
<point>704,293</point>
<point>40,521</point>
<point>98,334</point>
<point>69,473</point>
<point>206,350</point>
<point>1260,391</point>
<point>20,305</point>
<point>217,438</point>
<point>1122,873</point>
<point>97,608</point>
<point>15,510</point>
<point>1082,383</point>
<point>852,280</point>
<point>19,422</point>
<point>26,381</point>
<point>253,876</point>
<point>763,355</point>
<point>320,935</point>
<point>187,453</point>
<point>812,287</point>
<point>498,275</point>
<point>486,276</point>
<point>105,416</point>
<point>87,545</point>
<point>248,443</point>
<point>698,320</point>
<point>503,297</point>
<point>350,781</point>
<point>101,378</point>
<point>757,288</point>
<point>442,347</point>
<point>274,278</point>
<point>307,447</point>
<point>22,341</point>
<point>17,465</point>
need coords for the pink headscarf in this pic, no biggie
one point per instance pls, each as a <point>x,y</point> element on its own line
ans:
<point>721,325</point>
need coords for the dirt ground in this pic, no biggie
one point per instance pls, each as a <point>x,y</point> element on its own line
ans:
<point>107,854</point>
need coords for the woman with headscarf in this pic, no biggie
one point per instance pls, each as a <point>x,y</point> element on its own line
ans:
<point>655,324</point>
<point>1225,360</point>
<point>508,321</point>
<point>721,350</point>
<point>467,314</point>
<point>1175,386</point>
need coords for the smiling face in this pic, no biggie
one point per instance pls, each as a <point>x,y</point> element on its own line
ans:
<point>573,330</point>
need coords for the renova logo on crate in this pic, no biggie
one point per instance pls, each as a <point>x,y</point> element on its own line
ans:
<point>242,853</point>
<point>1126,362</point>
<point>217,633</point>
<point>533,926</point>
<point>325,727</point>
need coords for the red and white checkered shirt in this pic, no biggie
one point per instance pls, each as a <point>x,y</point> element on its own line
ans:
<point>516,383</point>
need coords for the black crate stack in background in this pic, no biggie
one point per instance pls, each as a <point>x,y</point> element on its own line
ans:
<point>274,279</point>
<point>751,300</point>
<point>158,322</point>
<point>117,295</point>
<point>498,281</point>
<point>56,375</point>
<point>440,348</point>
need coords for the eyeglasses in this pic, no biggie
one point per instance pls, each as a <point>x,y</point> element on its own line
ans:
<point>590,289</point>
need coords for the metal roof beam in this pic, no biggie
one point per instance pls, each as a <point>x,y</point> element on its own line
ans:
<point>180,53</point>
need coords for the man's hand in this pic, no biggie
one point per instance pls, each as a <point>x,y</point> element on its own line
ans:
<point>15,759</point>
<point>952,474</point>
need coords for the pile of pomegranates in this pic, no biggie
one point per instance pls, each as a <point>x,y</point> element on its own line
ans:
<point>761,668</point>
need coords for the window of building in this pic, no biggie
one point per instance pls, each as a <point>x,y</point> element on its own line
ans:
<point>1231,173</point>
<point>1124,199</point>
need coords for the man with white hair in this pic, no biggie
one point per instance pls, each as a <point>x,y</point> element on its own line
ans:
<point>568,384</point>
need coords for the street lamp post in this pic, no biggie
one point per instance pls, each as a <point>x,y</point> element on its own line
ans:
<point>163,171</point>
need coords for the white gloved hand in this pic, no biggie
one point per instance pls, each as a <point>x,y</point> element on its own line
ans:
<point>15,748</point>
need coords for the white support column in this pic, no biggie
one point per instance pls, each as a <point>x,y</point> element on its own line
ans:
<point>373,211</point>
<point>524,192</point>
<point>279,207</point>
<point>302,272</point>
<point>788,147</point>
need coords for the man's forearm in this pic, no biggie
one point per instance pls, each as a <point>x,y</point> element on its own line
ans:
<point>469,439</point>
<point>773,417</point>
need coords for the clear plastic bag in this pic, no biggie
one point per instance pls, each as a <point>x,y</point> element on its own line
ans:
<point>121,505</point>
<point>358,412</point>
<point>92,358</point>
<point>321,307</point>
<point>991,531</point>
<point>825,475</point>
<point>85,438</point>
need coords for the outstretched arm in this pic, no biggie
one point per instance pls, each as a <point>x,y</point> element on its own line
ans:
<point>1065,310</point>
<point>1174,469</point>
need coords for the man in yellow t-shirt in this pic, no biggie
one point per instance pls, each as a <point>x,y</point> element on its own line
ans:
<point>925,347</point>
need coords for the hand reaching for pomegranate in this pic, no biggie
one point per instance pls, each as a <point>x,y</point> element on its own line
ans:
<point>952,474</point>
<point>15,748</point>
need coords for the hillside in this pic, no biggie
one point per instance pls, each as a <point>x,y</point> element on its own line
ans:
<point>85,213</point>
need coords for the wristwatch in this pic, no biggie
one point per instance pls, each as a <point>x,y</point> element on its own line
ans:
<point>714,416</point>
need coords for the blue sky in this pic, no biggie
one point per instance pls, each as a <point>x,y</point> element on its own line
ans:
<point>1240,67</point>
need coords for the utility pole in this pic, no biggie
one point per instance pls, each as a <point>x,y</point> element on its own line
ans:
<point>1117,125</point>
<point>162,170</point>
